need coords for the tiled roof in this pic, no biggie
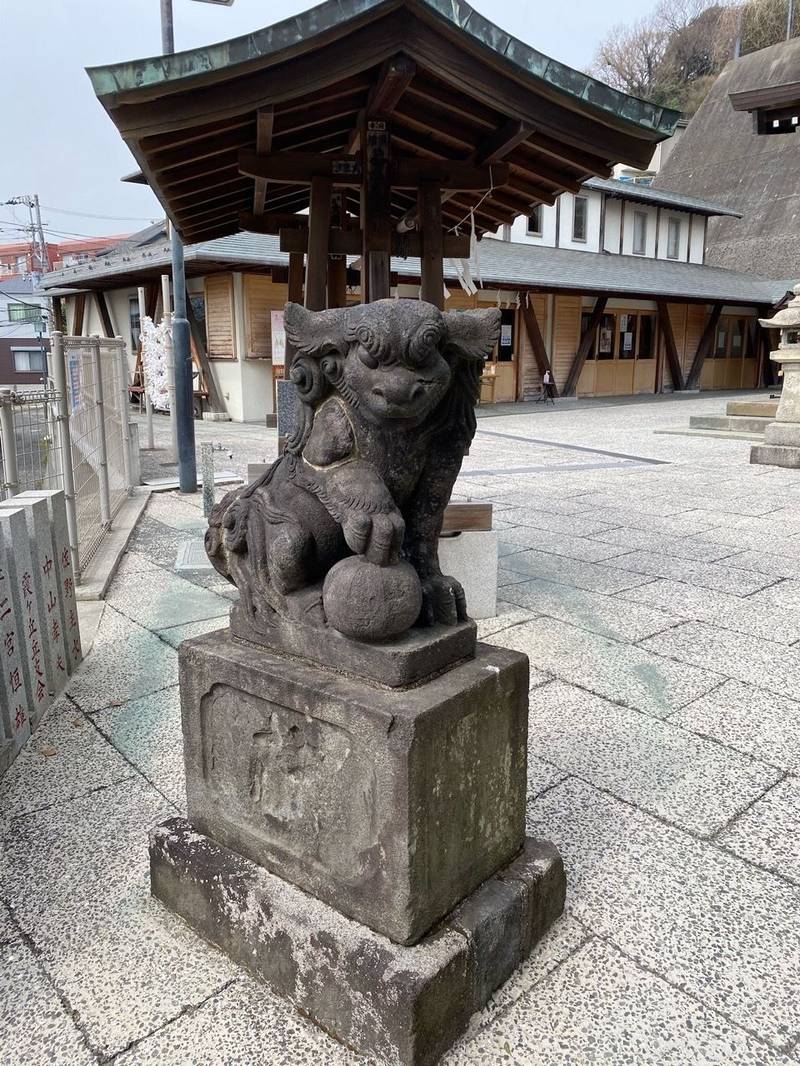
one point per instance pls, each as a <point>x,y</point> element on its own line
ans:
<point>502,263</point>
<point>646,194</point>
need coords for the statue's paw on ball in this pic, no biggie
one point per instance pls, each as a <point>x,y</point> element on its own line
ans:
<point>369,602</point>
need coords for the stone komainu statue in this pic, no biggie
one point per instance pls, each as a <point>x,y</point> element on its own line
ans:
<point>343,529</point>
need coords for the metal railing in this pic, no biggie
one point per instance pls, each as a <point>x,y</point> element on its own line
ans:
<point>74,434</point>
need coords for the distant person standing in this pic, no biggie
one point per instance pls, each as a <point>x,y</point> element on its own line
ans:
<point>548,387</point>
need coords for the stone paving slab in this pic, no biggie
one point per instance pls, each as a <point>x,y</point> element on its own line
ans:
<point>605,615</point>
<point>175,635</point>
<point>742,614</point>
<point>594,577</point>
<point>784,595</point>
<point>582,548</point>
<point>767,833</point>
<point>127,661</point>
<point>572,525</point>
<point>147,731</point>
<point>78,879</point>
<point>715,926</point>
<point>36,1028</point>
<point>508,614</point>
<point>744,658</point>
<point>8,931</point>
<point>244,1024</point>
<point>626,539</point>
<point>750,720</point>
<point>65,758</point>
<point>681,525</point>
<point>685,779</point>
<point>770,563</point>
<point>718,576</point>
<point>542,775</point>
<point>159,600</point>
<point>600,1009</point>
<point>622,673</point>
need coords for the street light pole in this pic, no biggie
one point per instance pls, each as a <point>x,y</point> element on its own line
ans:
<point>181,347</point>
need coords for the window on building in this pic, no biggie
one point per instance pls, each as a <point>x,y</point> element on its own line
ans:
<point>22,264</point>
<point>721,341</point>
<point>647,333</point>
<point>673,238</point>
<point>535,221</point>
<point>605,338</point>
<point>135,322</point>
<point>627,336</point>
<point>639,232</point>
<point>579,212</point>
<point>26,313</point>
<point>28,360</point>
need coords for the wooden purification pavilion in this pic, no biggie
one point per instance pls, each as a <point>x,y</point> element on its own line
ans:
<point>369,128</point>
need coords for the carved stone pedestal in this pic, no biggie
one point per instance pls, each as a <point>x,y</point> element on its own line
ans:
<point>361,848</point>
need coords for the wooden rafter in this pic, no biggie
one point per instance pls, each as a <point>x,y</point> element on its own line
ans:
<point>704,347</point>
<point>265,121</point>
<point>665,324</point>
<point>393,79</point>
<point>584,346</point>
<point>105,314</point>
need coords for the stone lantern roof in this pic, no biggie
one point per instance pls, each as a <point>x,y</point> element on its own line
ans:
<point>788,317</point>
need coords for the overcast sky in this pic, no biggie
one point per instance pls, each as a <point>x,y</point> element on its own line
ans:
<point>58,141</point>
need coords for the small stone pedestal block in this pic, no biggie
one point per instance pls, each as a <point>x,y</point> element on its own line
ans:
<point>362,848</point>
<point>405,1004</point>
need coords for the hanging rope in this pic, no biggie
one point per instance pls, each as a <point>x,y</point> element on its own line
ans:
<point>472,210</point>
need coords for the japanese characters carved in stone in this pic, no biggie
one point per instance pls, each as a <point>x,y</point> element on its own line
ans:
<point>342,530</point>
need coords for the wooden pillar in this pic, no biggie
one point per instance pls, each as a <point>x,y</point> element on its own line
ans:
<point>337,264</point>
<point>429,202</point>
<point>376,222</point>
<point>295,294</point>
<point>670,347</point>
<point>704,347</point>
<point>586,342</point>
<point>319,224</point>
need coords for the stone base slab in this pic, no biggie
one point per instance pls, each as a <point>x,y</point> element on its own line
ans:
<point>406,660</point>
<point>776,455</point>
<point>404,1004</point>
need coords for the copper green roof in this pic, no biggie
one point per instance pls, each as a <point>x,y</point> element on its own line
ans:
<point>472,86</point>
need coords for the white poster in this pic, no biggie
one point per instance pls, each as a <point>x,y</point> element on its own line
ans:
<point>278,339</point>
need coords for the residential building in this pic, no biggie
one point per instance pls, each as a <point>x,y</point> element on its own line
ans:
<point>757,177</point>
<point>20,259</point>
<point>24,340</point>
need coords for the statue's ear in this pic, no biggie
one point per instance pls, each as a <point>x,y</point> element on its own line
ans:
<point>472,334</point>
<point>315,333</point>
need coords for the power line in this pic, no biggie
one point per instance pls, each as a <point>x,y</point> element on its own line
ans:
<point>106,218</point>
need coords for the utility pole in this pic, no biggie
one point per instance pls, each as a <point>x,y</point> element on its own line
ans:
<point>790,20</point>
<point>181,347</point>
<point>37,230</point>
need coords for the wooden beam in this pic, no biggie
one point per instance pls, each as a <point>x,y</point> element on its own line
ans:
<point>80,310</point>
<point>430,231</point>
<point>503,141</point>
<point>337,264</point>
<point>215,401</point>
<point>669,345</point>
<point>376,225</point>
<point>394,78</point>
<point>105,315</point>
<point>265,122</point>
<point>298,168</point>
<point>586,342</point>
<point>536,340</point>
<point>319,225</point>
<point>704,347</point>
<point>350,241</point>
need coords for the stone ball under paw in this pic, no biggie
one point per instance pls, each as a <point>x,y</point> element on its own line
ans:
<point>370,602</point>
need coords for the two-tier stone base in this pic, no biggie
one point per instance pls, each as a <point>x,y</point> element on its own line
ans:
<point>360,847</point>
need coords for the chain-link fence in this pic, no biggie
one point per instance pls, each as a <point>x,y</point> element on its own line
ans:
<point>73,435</point>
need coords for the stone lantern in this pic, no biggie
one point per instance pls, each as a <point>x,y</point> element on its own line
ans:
<point>781,445</point>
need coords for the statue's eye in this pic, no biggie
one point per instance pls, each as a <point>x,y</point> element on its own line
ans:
<point>367,358</point>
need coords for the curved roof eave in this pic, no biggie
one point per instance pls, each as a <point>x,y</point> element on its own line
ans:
<point>211,62</point>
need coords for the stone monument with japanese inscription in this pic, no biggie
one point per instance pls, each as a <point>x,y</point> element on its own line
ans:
<point>355,759</point>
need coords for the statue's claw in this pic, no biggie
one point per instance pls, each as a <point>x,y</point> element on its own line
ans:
<point>443,600</point>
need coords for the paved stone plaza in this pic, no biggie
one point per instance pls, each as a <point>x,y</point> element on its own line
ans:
<point>654,581</point>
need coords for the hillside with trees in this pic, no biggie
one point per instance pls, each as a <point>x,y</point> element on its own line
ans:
<point>673,55</point>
